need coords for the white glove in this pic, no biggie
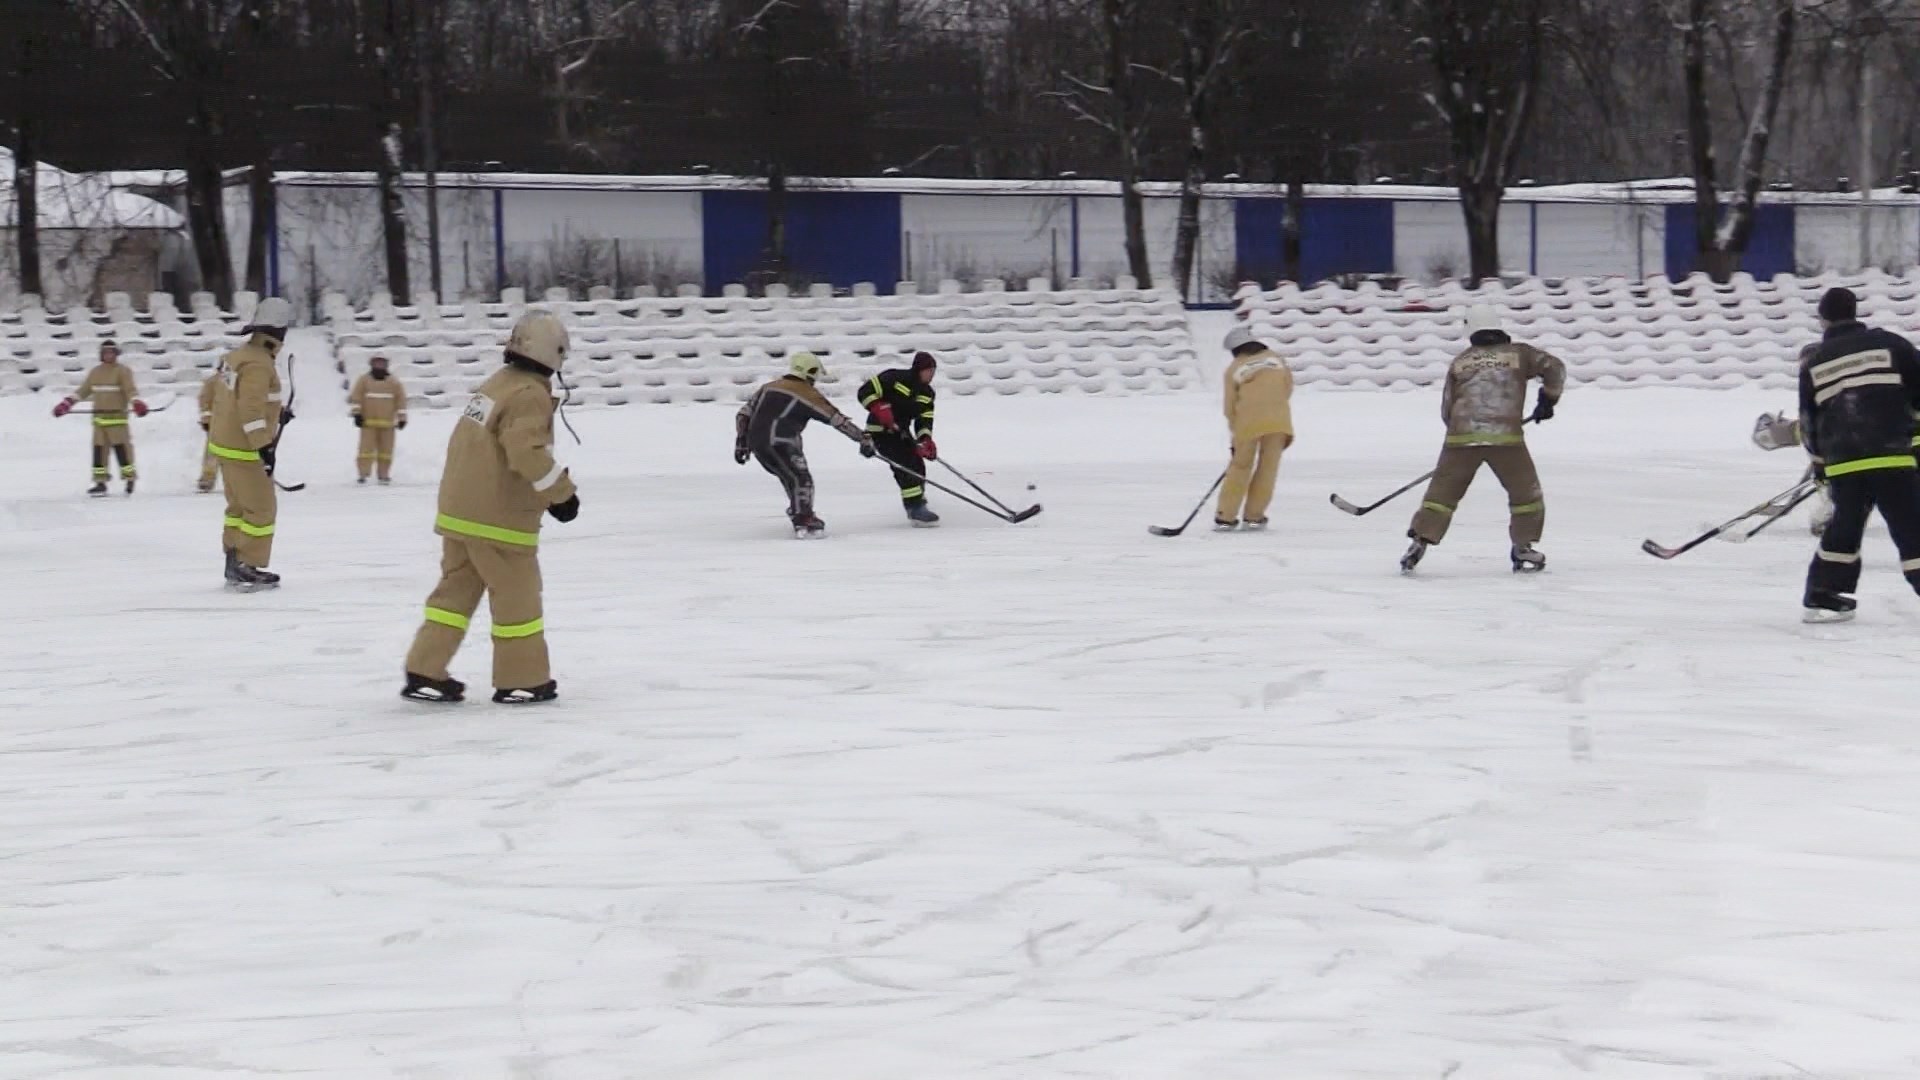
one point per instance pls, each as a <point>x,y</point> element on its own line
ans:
<point>1773,431</point>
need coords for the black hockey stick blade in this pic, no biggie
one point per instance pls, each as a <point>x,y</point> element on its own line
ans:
<point>289,487</point>
<point>1164,530</point>
<point>952,494</point>
<point>1028,514</point>
<point>1660,551</point>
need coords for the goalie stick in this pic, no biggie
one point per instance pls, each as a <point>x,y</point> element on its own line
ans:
<point>1787,498</point>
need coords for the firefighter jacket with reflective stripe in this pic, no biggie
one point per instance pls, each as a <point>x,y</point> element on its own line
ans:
<point>1858,391</point>
<point>912,402</point>
<point>378,402</point>
<point>781,410</point>
<point>110,388</point>
<point>246,401</point>
<point>500,475</point>
<point>1485,400</point>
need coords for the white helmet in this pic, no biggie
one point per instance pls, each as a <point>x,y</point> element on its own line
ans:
<point>272,317</point>
<point>541,337</point>
<point>805,365</point>
<point>1239,338</point>
<point>1481,317</point>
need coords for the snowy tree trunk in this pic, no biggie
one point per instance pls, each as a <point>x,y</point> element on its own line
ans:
<point>1123,91</point>
<point>1706,179</point>
<point>1737,229</point>
<point>1186,234</point>
<point>206,202</point>
<point>393,213</point>
<point>260,201</point>
<point>776,258</point>
<point>1481,205</point>
<point>1133,211</point>
<point>1292,220</point>
<point>26,173</point>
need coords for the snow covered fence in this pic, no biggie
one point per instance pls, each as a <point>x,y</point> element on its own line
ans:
<point>42,351</point>
<point>650,348</point>
<point>1611,332</point>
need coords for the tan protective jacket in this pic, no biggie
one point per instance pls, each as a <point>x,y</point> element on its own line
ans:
<point>1259,396</point>
<point>246,400</point>
<point>110,387</point>
<point>1485,400</point>
<point>380,403</point>
<point>501,475</point>
<point>206,398</point>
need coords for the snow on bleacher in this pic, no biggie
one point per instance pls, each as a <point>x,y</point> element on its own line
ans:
<point>42,351</point>
<point>1610,332</point>
<point>689,347</point>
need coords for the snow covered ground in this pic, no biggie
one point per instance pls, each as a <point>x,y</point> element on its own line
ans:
<point>1057,800</point>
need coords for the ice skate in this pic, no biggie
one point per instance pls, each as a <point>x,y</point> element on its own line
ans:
<point>129,487</point>
<point>434,691</point>
<point>1826,606</point>
<point>1254,525</point>
<point>809,527</point>
<point>204,487</point>
<point>98,490</point>
<point>242,578</point>
<point>1526,560</point>
<point>1224,525</point>
<point>386,481</point>
<point>921,516</point>
<point>1413,556</point>
<point>546,691</point>
<point>362,481</point>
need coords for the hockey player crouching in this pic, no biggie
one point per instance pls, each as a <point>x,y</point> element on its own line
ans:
<point>1858,392</point>
<point>769,427</point>
<point>1482,404</point>
<point>899,406</point>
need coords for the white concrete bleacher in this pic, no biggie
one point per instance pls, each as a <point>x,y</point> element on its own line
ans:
<point>647,348</point>
<point>1610,332</point>
<point>168,349</point>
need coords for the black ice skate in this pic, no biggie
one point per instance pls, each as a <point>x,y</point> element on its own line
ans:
<point>362,481</point>
<point>98,490</point>
<point>1413,556</point>
<point>1221,524</point>
<point>921,516</point>
<point>1526,560</point>
<point>1254,524</point>
<point>1827,606</point>
<point>434,691</point>
<point>204,487</point>
<point>129,487</point>
<point>809,527</point>
<point>248,579</point>
<point>546,691</point>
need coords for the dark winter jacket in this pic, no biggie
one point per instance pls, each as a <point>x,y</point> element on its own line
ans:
<point>911,399</point>
<point>781,410</point>
<point>1859,389</point>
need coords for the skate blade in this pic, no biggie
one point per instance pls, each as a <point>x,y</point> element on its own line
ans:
<point>806,534</point>
<point>430,699</point>
<point>1823,617</point>
<point>1530,568</point>
<point>926,524</point>
<point>251,586</point>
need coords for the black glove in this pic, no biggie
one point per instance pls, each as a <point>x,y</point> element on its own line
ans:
<point>267,458</point>
<point>741,453</point>
<point>564,512</point>
<point>286,417</point>
<point>1542,409</point>
<point>402,425</point>
<point>867,449</point>
<point>358,421</point>
<point>208,428</point>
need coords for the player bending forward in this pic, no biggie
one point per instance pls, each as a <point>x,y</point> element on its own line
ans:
<point>899,406</point>
<point>1483,405</point>
<point>1858,391</point>
<point>769,428</point>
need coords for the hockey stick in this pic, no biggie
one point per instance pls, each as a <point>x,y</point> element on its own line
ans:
<point>1788,497</point>
<point>988,495</point>
<point>1009,516</point>
<point>293,393</point>
<point>1784,511</point>
<point>1361,511</point>
<point>151,409</point>
<point>1162,530</point>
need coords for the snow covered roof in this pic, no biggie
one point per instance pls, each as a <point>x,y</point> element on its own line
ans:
<point>84,201</point>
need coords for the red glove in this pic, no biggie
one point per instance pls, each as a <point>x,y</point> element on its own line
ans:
<point>139,407</point>
<point>927,449</point>
<point>882,414</point>
<point>65,407</point>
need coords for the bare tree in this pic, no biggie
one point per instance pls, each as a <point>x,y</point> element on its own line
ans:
<point>1722,242</point>
<point>27,34</point>
<point>1117,105</point>
<point>1488,59</point>
<point>387,38</point>
<point>1210,32</point>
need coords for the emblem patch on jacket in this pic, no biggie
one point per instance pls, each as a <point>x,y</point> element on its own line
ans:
<point>479,410</point>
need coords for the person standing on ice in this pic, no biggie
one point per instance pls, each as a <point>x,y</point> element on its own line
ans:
<point>1859,389</point>
<point>1484,406</point>
<point>379,406</point>
<point>209,464</point>
<point>500,478</point>
<point>109,386</point>
<point>1259,393</point>
<point>769,427</point>
<point>245,425</point>
<point>899,406</point>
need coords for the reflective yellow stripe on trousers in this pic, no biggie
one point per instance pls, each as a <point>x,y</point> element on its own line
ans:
<point>1846,468</point>
<point>448,618</point>
<point>520,630</point>
<point>250,530</point>
<point>487,532</point>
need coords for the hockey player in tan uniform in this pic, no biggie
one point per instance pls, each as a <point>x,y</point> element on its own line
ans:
<point>110,388</point>
<point>1258,405</point>
<point>247,415</point>
<point>500,478</point>
<point>1483,405</point>
<point>209,464</point>
<point>768,429</point>
<point>379,406</point>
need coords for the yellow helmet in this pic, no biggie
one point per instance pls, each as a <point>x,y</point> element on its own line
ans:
<point>805,365</point>
<point>541,337</point>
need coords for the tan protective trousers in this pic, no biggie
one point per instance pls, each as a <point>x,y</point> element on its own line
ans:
<point>1250,478</point>
<point>509,576</point>
<point>376,447</point>
<point>251,509</point>
<point>119,438</point>
<point>1511,464</point>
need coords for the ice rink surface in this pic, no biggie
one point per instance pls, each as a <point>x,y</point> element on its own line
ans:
<point>1010,803</point>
